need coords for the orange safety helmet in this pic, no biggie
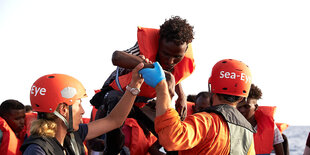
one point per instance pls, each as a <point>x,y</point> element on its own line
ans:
<point>230,77</point>
<point>50,90</point>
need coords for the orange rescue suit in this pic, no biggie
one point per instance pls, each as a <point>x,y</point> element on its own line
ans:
<point>148,40</point>
<point>200,133</point>
<point>263,138</point>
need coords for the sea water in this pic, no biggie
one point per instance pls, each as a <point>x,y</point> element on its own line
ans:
<point>297,137</point>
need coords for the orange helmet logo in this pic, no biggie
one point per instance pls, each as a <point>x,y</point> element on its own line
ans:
<point>37,90</point>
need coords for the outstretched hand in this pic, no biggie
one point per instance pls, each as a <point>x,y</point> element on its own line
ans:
<point>153,76</point>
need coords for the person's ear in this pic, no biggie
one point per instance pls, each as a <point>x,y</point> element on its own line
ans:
<point>63,110</point>
<point>256,107</point>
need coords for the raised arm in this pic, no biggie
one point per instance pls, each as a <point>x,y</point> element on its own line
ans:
<point>162,98</point>
<point>118,115</point>
<point>155,77</point>
<point>128,61</point>
<point>173,133</point>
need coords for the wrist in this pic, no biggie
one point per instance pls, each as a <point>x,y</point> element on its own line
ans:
<point>182,96</point>
<point>133,90</point>
<point>134,85</point>
<point>161,85</point>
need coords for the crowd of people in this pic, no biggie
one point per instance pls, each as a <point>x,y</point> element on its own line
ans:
<point>132,112</point>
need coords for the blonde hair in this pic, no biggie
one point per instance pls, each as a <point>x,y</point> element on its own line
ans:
<point>46,126</point>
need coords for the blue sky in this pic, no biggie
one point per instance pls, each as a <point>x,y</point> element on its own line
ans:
<point>78,38</point>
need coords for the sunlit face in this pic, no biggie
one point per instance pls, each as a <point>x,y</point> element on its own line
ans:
<point>247,109</point>
<point>170,54</point>
<point>77,113</point>
<point>202,103</point>
<point>16,120</point>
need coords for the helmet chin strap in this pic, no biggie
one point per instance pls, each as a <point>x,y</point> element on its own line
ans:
<point>211,98</point>
<point>62,118</point>
<point>209,87</point>
<point>69,129</point>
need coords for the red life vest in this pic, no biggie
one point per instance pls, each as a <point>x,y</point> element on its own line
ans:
<point>148,40</point>
<point>263,139</point>
<point>135,138</point>
<point>29,118</point>
<point>86,120</point>
<point>190,109</point>
<point>10,144</point>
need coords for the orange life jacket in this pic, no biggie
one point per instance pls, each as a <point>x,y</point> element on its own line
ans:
<point>86,120</point>
<point>136,140</point>
<point>282,126</point>
<point>10,144</point>
<point>29,118</point>
<point>190,109</point>
<point>148,40</point>
<point>263,139</point>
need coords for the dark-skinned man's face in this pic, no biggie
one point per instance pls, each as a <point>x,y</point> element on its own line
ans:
<point>248,108</point>
<point>169,54</point>
<point>16,119</point>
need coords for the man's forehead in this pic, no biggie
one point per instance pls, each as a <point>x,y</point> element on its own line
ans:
<point>16,111</point>
<point>252,101</point>
<point>241,103</point>
<point>247,102</point>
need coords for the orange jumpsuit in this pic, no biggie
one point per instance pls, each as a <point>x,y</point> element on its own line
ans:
<point>200,133</point>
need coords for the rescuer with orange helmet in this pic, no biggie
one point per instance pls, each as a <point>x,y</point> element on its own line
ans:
<point>57,99</point>
<point>220,129</point>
